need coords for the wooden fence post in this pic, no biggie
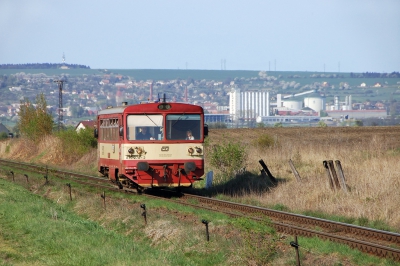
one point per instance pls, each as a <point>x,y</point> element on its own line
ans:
<point>264,166</point>
<point>341,175</point>
<point>103,196</point>
<point>70,194</point>
<point>296,174</point>
<point>333,172</point>
<point>328,173</point>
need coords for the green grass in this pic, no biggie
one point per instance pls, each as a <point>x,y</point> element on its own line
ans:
<point>37,231</point>
<point>46,228</point>
<point>325,249</point>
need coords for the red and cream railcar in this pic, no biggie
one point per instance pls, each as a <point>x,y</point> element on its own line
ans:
<point>151,144</point>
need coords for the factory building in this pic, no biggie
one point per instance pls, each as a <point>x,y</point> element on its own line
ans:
<point>337,106</point>
<point>251,104</point>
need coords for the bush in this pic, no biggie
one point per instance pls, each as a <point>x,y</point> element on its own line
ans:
<point>358,123</point>
<point>264,141</point>
<point>260,125</point>
<point>77,144</point>
<point>228,157</point>
<point>217,125</point>
<point>3,135</point>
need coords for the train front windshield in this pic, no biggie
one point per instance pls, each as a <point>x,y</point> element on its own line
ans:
<point>144,127</point>
<point>183,127</point>
<point>152,127</point>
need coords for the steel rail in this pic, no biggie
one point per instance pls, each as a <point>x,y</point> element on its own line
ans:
<point>303,219</point>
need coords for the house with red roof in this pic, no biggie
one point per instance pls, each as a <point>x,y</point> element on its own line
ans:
<point>85,124</point>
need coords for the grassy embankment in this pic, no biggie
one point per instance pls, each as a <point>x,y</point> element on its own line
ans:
<point>368,157</point>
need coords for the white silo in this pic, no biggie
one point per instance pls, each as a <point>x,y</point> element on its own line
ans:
<point>294,105</point>
<point>315,103</point>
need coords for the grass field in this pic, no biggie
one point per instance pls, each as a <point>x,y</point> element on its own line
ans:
<point>369,157</point>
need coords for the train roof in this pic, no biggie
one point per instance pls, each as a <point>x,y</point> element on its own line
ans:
<point>151,107</point>
<point>113,110</point>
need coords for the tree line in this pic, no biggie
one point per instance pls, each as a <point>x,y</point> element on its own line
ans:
<point>375,75</point>
<point>41,66</point>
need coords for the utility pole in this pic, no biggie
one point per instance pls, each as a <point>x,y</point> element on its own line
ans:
<point>60,104</point>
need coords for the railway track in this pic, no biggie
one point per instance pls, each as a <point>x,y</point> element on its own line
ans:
<point>378,242</point>
<point>372,241</point>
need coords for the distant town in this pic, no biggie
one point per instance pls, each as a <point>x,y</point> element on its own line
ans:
<point>267,98</point>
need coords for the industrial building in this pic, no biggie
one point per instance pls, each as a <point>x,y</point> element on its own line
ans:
<point>249,104</point>
<point>256,105</point>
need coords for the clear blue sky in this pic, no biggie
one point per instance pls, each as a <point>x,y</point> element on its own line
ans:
<point>286,35</point>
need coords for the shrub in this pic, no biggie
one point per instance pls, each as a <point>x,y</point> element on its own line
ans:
<point>3,135</point>
<point>77,144</point>
<point>217,125</point>
<point>260,125</point>
<point>264,141</point>
<point>358,123</point>
<point>228,157</point>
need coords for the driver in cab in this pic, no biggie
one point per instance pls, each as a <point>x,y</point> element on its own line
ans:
<point>144,134</point>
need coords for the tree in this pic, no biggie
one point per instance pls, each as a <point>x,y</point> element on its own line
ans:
<point>358,123</point>
<point>34,122</point>
<point>77,111</point>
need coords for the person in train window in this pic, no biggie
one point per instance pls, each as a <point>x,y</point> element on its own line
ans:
<point>189,135</point>
<point>144,134</point>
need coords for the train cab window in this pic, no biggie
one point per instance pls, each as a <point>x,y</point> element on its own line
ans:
<point>145,127</point>
<point>178,125</point>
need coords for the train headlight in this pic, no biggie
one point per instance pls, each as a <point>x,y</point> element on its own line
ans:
<point>190,150</point>
<point>139,150</point>
<point>198,150</point>
<point>131,151</point>
<point>164,106</point>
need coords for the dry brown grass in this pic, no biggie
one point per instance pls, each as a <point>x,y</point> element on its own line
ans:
<point>369,157</point>
<point>48,152</point>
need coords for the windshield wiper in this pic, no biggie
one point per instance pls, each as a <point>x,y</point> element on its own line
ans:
<point>179,118</point>
<point>151,120</point>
